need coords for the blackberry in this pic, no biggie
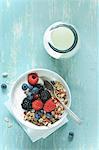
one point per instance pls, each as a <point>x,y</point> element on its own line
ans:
<point>45,95</point>
<point>26,104</point>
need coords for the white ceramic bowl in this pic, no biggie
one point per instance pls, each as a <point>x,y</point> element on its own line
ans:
<point>17,96</point>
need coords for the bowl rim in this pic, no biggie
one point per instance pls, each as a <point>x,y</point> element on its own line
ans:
<point>28,124</point>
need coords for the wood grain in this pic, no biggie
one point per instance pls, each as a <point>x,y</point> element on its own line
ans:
<point>22,25</point>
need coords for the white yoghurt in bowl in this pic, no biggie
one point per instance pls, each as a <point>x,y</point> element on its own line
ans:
<point>17,96</point>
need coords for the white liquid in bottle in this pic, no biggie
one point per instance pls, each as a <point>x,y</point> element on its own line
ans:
<point>62,38</point>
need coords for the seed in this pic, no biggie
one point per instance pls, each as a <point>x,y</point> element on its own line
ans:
<point>56,116</point>
<point>49,124</point>
<point>53,113</point>
<point>5,75</point>
<point>28,113</point>
<point>65,101</point>
<point>6,119</point>
<point>62,111</point>
<point>59,109</point>
<point>45,123</point>
<point>25,117</point>
<point>26,91</point>
<point>59,116</point>
<point>29,118</point>
<point>55,101</point>
<point>33,110</point>
<point>43,117</point>
<point>10,125</point>
<point>40,120</point>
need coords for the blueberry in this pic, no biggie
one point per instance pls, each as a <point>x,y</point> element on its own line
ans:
<point>45,95</point>
<point>26,104</point>
<point>35,90</point>
<point>39,112</point>
<point>42,111</point>
<point>37,116</point>
<point>71,135</point>
<point>48,115</point>
<point>40,87</point>
<point>24,86</point>
<point>30,96</point>
<point>30,87</point>
<point>3,86</point>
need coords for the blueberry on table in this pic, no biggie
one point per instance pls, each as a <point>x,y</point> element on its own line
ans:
<point>24,86</point>
<point>70,135</point>
<point>3,86</point>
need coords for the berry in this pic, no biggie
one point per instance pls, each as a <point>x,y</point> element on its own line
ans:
<point>37,116</point>
<point>70,135</point>
<point>30,87</point>
<point>35,90</point>
<point>24,86</point>
<point>26,104</point>
<point>33,78</point>
<point>37,105</point>
<point>39,112</point>
<point>3,86</point>
<point>48,115</point>
<point>36,96</point>
<point>40,87</point>
<point>45,95</point>
<point>30,96</point>
<point>42,111</point>
<point>49,106</point>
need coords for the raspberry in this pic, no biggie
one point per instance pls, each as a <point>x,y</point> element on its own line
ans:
<point>33,78</point>
<point>37,105</point>
<point>49,106</point>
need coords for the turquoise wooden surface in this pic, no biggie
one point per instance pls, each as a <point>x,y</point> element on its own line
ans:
<point>22,25</point>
